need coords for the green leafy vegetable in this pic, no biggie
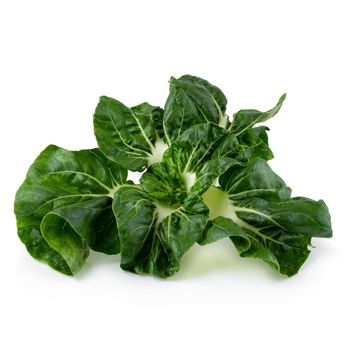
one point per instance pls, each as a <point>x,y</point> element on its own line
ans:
<point>205,177</point>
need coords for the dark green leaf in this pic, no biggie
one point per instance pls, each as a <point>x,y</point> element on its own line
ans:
<point>64,206</point>
<point>247,118</point>
<point>154,237</point>
<point>192,101</point>
<point>255,210</point>
<point>130,137</point>
<point>192,163</point>
<point>165,183</point>
<point>201,154</point>
<point>255,143</point>
<point>254,181</point>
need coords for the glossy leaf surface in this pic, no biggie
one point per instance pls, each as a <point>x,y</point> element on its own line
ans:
<point>154,237</point>
<point>254,208</point>
<point>192,163</point>
<point>131,137</point>
<point>191,101</point>
<point>254,142</point>
<point>247,118</point>
<point>63,208</point>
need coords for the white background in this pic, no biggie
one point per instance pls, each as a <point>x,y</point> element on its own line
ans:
<point>58,57</point>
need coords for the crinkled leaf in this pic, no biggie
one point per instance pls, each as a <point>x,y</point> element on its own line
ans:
<point>201,154</point>
<point>192,163</point>
<point>165,183</point>
<point>195,82</point>
<point>285,251</point>
<point>247,118</point>
<point>153,237</point>
<point>255,143</point>
<point>64,207</point>
<point>130,137</point>
<point>254,208</point>
<point>256,180</point>
<point>192,101</point>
